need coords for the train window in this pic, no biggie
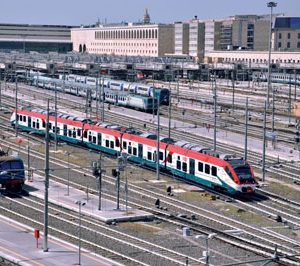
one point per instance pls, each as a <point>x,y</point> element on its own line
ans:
<point>134,151</point>
<point>124,145</point>
<point>70,133</point>
<point>33,124</point>
<point>228,172</point>
<point>44,124</point>
<point>85,134</point>
<point>107,143</point>
<point>50,125</point>
<point>129,149</point>
<point>207,169</point>
<point>18,117</point>
<point>94,139</point>
<point>178,165</point>
<point>37,125</point>
<point>214,171</point>
<point>161,155</point>
<point>200,167</point>
<point>112,145</point>
<point>74,134</point>
<point>24,118</point>
<point>21,118</point>
<point>79,132</point>
<point>169,158</point>
<point>184,167</point>
<point>117,143</point>
<point>149,156</point>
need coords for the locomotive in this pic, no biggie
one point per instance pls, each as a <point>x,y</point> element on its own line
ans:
<point>12,174</point>
<point>222,172</point>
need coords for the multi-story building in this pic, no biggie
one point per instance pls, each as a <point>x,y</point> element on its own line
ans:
<point>286,34</point>
<point>40,38</point>
<point>241,32</point>
<point>125,39</point>
<point>181,38</point>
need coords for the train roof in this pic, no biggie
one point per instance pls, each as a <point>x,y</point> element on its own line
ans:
<point>9,158</point>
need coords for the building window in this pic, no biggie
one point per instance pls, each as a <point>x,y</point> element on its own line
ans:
<point>289,36</point>
<point>299,35</point>
<point>279,45</point>
<point>279,35</point>
<point>298,45</point>
<point>288,45</point>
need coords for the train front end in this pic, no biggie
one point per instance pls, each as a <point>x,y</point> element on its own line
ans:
<point>12,174</point>
<point>241,175</point>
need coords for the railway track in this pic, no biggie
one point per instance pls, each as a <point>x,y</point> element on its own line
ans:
<point>204,216</point>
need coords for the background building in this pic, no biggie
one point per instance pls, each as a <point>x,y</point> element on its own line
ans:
<point>125,39</point>
<point>40,38</point>
<point>287,34</point>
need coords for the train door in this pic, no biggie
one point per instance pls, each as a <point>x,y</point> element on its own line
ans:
<point>99,139</point>
<point>29,121</point>
<point>65,130</point>
<point>192,166</point>
<point>140,151</point>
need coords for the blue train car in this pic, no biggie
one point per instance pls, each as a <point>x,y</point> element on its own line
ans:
<point>12,174</point>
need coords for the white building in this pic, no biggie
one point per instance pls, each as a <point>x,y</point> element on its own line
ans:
<point>125,39</point>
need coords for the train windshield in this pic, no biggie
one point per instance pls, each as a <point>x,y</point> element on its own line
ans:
<point>244,173</point>
<point>11,166</point>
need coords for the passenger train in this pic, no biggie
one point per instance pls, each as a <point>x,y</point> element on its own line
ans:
<point>119,98</point>
<point>119,85</point>
<point>283,78</point>
<point>226,173</point>
<point>12,174</point>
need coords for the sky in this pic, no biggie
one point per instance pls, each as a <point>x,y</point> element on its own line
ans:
<point>85,12</point>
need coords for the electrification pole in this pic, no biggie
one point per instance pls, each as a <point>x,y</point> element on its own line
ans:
<point>290,100</point>
<point>55,110</point>
<point>103,96</point>
<point>45,247</point>
<point>246,131</point>
<point>16,96</point>
<point>264,145</point>
<point>215,117</point>
<point>271,5</point>
<point>0,92</point>
<point>170,107</point>
<point>158,133</point>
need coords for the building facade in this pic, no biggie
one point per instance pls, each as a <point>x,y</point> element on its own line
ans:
<point>125,39</point>
<point>286,34</point>
<point>39,38</point>
<point>181,43</point>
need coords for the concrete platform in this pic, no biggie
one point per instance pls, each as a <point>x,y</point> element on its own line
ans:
<point>58,194</point>
<point>18,245</point>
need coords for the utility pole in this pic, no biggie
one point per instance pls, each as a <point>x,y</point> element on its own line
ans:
<point>290,100</point>
<point>158,133</point>
<point>271,5</point>
<point>264,145</point>
<point>215,116</point>
<point>246,131</point>
<point>0,92</point>
<point>273,109</point>
<point>103,98</point>
<point>170,107</point>
<point>55,110</point>
<point>233,91</point>
<point>118,188</point>
<point>295,94</point>
<point>80,204</point>
<point>45,247</point>
<point>16,96</point>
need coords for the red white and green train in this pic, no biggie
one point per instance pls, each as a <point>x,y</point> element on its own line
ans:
<point>191,162</point>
